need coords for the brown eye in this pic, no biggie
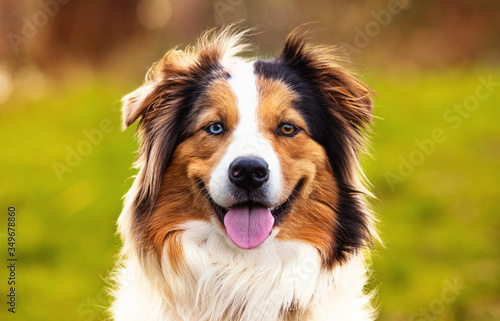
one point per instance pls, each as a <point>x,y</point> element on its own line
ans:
<point>287,129</point>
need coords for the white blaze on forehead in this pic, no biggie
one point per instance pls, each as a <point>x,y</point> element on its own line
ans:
<point>243,84</point>
<point>246,140</point>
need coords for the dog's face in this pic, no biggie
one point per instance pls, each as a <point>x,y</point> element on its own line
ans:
<point>265,151</point>
<point>251,151</point>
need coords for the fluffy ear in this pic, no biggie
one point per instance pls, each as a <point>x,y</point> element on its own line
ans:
<point>341,103</point>
<point>135,104</point>
<point>319,65</point>
<point>166,75</point>
<point>178,67</point>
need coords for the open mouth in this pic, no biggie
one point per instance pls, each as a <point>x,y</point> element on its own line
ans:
<point>250,223</point>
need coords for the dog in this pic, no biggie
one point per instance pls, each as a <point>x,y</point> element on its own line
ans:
<point>249,203</point>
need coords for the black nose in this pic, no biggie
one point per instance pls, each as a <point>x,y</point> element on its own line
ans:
<point>248,172</point>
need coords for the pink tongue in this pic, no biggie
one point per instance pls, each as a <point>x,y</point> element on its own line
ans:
<point>248,227</point>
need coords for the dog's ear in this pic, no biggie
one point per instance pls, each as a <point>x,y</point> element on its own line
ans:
<point>341,103</point>
<point>164,76</point>
<point>135,104</point>
<point>318,65</point>
<point>163,105</point>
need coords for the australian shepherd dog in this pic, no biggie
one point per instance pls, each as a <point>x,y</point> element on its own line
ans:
<point>249,203</point>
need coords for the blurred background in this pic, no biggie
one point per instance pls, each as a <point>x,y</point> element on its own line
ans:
<point>434,164</point>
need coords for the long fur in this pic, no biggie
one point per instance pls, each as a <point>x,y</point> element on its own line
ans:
<point>177,262</point>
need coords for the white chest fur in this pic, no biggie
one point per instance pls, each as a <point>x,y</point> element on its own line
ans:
<point>279,281</point>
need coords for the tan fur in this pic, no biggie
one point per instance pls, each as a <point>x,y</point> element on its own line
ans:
<point>301,159</point>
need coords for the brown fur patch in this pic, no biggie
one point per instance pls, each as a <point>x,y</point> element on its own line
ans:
<point>219,103</point>
<point>181,198</point>
<point>302,159</point>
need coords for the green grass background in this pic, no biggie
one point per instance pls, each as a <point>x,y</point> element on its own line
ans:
<point>440,226</point>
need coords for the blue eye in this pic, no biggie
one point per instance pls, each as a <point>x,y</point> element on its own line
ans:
<point>215,129</point>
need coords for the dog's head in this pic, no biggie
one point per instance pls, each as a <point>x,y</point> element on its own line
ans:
<point>264,150</point>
